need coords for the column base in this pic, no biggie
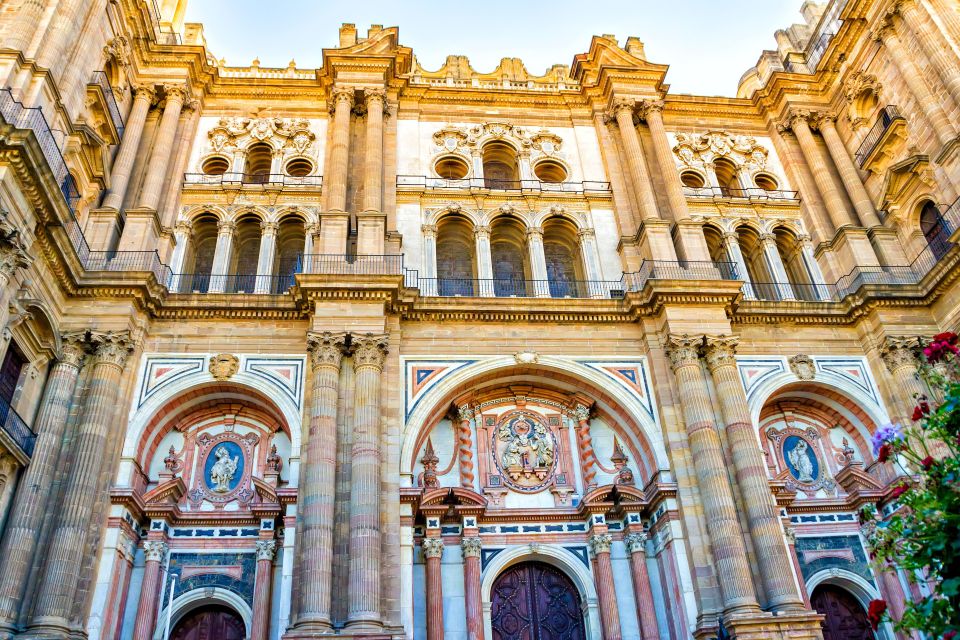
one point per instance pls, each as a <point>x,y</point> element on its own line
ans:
<point>46,629</point>
<point>141,230</point>
<point>801,625</point>
<point>656,241</point>
<point>371,233</point>
<point>854,248</point>
<point>102,230</point>
<point>309,629</point>
<point>332,239</point>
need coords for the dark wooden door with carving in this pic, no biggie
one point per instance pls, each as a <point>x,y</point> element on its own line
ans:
<point>534,601</point>
<point>845,618</point>
<point>210,623</point>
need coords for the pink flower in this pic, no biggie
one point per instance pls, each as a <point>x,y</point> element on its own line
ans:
<point>947,336</point>
<point>898,491</point>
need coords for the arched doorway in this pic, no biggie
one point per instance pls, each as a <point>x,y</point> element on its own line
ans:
<point>845,617</point>
<point>211,622</point>
<point>535,601</point>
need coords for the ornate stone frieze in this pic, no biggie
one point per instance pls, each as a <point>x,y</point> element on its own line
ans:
<point>471,547</point>
<point>721,351</point>
<point>326,348</point>
<point>803,366</point>
<point>432,547</point>
<point>600,543</point>
<point>698,149</point>
<point>369,350</point>
<point>223,366</point>
<point>266,549</point>
<point>230,133</point>
<point>636,542</point>
<point>683,350</point>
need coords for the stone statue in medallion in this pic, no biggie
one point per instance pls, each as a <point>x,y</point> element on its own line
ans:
<point>221,475</point>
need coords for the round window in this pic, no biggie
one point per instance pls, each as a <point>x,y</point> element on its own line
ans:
<point>451,168</point>
<point>215,166</point>
<point>550,171</point>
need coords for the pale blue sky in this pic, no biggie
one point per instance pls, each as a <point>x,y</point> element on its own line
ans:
<point>707,43</point>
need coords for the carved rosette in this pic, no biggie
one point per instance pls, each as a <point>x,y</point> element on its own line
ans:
<point>721,351</point>
<point>900,351</point>
<point>154,550</point>
<point>74,348</point>
<point>471,547</point>
<point>803,366</point>
<point>600,543</point>
<point>370,351</point>
<point>683,351</point>
<point>432,547</point>
<point>112,347</point>
<point>326,348</point>
<point>636,542</point>
<point>266,549</point>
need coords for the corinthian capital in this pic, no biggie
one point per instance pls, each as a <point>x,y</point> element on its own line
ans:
<point>465,412</point>
<point>145,91</point>
<point>621,103</point>
<point>369,350</point>
<point>900,351</point>
<point>683,350</point>
<point>795,117</point>
<point>341,94</point>
<point>600,543</point>
<point>650,106</point>
<point>721,351</point>
<point>432,547</point>
<point>471,547</point>
<point>636,542</point>
<point>175,92</point>
<point>12,257</point>
<point>266,549</point>
<point>326,348</point>
<point>112,347</point>
<point>74,348</point>
<point>154,550</point>
<point>375,95</point>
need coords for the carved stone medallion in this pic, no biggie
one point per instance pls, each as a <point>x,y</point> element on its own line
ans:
<point>524,450</point>
<point>223,366</point>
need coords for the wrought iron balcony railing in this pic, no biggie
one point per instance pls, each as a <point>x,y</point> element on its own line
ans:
<point>239,179</point>
<point>336,264</point>
<point>16,428</point>
<point>754,193</point>
<point>517,288</point>
<point>887,117</point>
<point>679,270</point>
<point>425,182</point>
<point>100,78</point>
<point>229,283</point>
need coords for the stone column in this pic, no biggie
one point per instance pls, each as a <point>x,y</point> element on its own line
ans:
<point>623,109</point>
<point>430,286</point>
<point>821,173</point>
<point>162,146</point>
<point>369,353</point>
<point>591,263</point>
<point>432,553</point>
<point>335,183</point>
<point>731,241</point>
<point>31,502</point>
<point>652,113</point>
<point>642,592</point>
<point>588,458</point>
<point>150,589</point>
<point>186,132</point>
<point>484,261</point>
<point>848,172</point>
<point>606,591</point>
<point>373,169</point>
<point>61,573</point>
<point>472,596</point>
<point>719,508</point>
<point>538,262</point>
<point>263,580</point>
<point>132,132</point>
<point>182,234</point>
<point>465,443</point>
<point>777,268</point>
<point>751,473</point>
<point>266,256</point>
<point>24,22</point>
<point>946,10</point>
<point>934,48</point>
<point>314,539</point>
<point>914,80</point>
<point>222,256</point>
<point>813,267</point>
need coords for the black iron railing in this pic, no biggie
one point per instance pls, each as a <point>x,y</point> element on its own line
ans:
<point>236,179</point>
<point>727,192</point>
<point>337,264</point>
<point>786,291</point>
<point>679,270</point>
<point>518,288</point>
<point>425,182</point>
<point>885,119</point>
<point>100,78</point>
<point>128,261</point>
<point>16,428</point>
<point>229,283</point>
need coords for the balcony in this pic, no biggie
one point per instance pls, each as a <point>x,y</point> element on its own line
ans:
<point>421,183</point>
<point>346,265</point>
<point>15,429</point>
<point>887,127</point>
<point>99,79</point>
<point>514,288</point>
<point>238,180</point>
<point>754,194</point>
<point>679,270</point>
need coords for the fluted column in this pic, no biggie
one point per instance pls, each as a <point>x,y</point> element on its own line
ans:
<point>723,525</point>
<point>915,83</point>
<point>652,111</point>
<point>821,173</point>
<point>642,592</point>
<point>623,109</point>
<point>848,172</point>
<point>24,22</point>
<point>588,458</point>
<point>162,146</point>
<point>899,354</point>
<point>813,267</point>
<point>949,15</point>
<point>369,353</point>
<point>465,446</point>
<point>472,595</point>
<point>769,243</point>
<point>61,573</point>
<point>591,262</point>
<point>132,133</point>
<point>263,580</point>
<point>373,169</point>
<point>314,540</point>
<point>606,591</point>
<point>186,132</point>
<point>155,551</point>
<point>31,502</point>
<point>430,287</point>
<point>335,182</point>
<point>481,235</point>
<point>731,242</point>
<point>265,259</point>
<point>182,233</point>
<point>432,553</point>
<point>751,473</point>
<point>538,262</point>
<point>934,48</point>
<point>222,255</point>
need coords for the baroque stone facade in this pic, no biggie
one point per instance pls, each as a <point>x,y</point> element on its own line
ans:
<point>335,352</point>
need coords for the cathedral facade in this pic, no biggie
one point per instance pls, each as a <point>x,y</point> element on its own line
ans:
<point>378,351</point>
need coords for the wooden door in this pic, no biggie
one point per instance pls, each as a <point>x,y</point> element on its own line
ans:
<point>10,372</point>
<point>845,618</point>
<point>210,623</point>
<point>535,601</point>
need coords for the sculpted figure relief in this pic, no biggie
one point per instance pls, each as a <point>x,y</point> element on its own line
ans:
<point>525,449</point>
<point>221,475</point>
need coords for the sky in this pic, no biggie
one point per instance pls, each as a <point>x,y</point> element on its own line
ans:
<point>708,44</point>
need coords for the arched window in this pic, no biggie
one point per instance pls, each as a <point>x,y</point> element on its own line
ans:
<point>198,265</point>
<point>564,263</point>
<point>246,254</point>
<point>791,253</point>
<point>508,252</point>
<point>935,232</point>
<point>259,163</point>
<point>727,177</point>
<point>692,179</point>
<point>299,168</point>
<point>715,245</point>
<point>500,166</point>
<point>290,240</point>
<point>758,271</point>
<point>766,182</point>
<point>550,171</point>
<point>456,264</point>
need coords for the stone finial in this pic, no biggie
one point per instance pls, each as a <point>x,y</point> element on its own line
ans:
<point>471,547</point>
<point>600,543</point>
<point>620,460</point>
<point>429,462</point>
<point>683,350</point>
<point>370,350</point>
<point>274,461</point>
<point>636,542</point>
<point>172,461</point>
<point>432,547</point>
<point>803,367</point>
<point>223,366</point>
<point>112,347</point>
<point>900,351</point>
<point>266,549</point>
<point>721,351</point>
<point>326,348</point>
<point>154,550</point>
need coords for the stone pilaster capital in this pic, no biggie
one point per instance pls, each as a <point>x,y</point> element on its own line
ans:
<point>12,257</point>
<point>471,547</point>
<point>175,92</point>
<point>342,94</point>
<point>805,239</point>
<point>481,231</point>
<point>226,227</point>
<point>823,119</point>
<point>112,347</point>
<point>145,91</point>
<point>432,547</point>
<point>74,347</point>
<point>266,549</point>
<point>534,233</point>
<point>683,350</point>
<point>886,31</point>
<point>581,412</point>
<point>326,348</point>
<point>730,236</point>
<point>378,94</point>
<point>636,542</point>
<point>648,107</point>
<point>900,351</point>
<point>192,105</point>
<point>154,550</point>
<point>796,117</point>
<point>587,233</point>
<point>720,351</point>
<point>791,535</point>
<point>768,239</point>
<point>370,350</point>
<point>184,228</point>
<point>621,104</point>
<point>312,228</point>
<point>465,412</point>
<point>429,230</point>
<point>600,543</point>
<point>269,228</point>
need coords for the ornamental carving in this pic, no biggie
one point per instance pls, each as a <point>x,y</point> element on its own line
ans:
<point>326,348</point>
<point>266,549</point>
<point>624,476</point>
<point>74,348</point>
<point>471,547</point>
<point>683,350</point>
<point>600,543</point>
<point>231,133</point>
<point>900,351</point>
<point>799,456</point>
<point>432,547</point>
<point>636,542</point>
<point>468,140</point>
<point>721,351</point>
<point>13,251</point>
<point>699,149</point>
<point>803,367</point>
<point>225,463</point>
<point>112,347</point>
<point>223,366</point>
<point>154,550</point>
<point>524,449</point>
<point>369,350</point>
